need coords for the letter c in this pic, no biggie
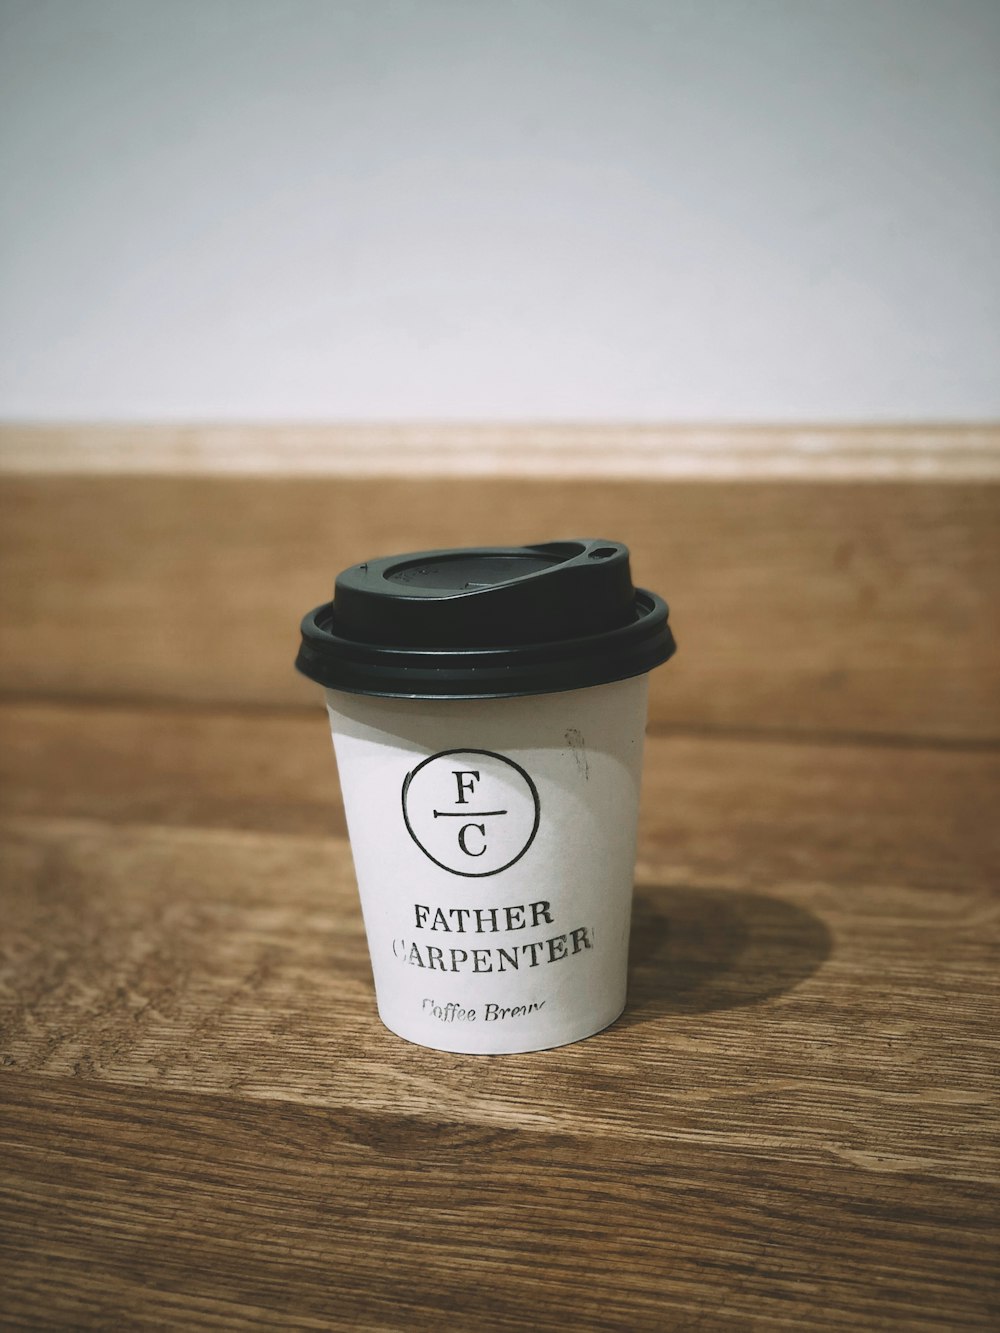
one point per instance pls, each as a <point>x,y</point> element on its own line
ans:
<point>461,838</point>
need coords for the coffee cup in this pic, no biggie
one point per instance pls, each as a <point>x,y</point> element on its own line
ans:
<point>488,709</point>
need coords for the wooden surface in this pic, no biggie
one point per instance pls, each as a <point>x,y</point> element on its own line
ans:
<point>794,1124</point>
<point>857,608</point>
<point>205,1126</point>
<point>644,451</point>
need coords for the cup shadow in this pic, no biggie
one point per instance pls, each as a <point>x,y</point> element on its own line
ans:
<point>694,951</point>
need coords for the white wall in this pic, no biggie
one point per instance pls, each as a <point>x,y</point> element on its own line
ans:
<point>643,209</point>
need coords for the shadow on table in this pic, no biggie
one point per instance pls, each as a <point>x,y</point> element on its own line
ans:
<point>698,950</point>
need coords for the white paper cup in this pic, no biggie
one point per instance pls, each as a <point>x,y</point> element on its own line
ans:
<point>494,846</point>
<point>488,706</point>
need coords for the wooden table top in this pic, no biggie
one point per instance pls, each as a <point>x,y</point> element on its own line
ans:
<point>794,1124</point>
<point>205,1126</point>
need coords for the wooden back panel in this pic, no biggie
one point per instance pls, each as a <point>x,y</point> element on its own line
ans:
<point>851,607</point>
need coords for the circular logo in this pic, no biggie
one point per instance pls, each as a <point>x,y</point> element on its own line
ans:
<point>472,812</point>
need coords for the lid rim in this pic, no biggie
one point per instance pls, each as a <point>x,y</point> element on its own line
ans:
<point>382,671</point>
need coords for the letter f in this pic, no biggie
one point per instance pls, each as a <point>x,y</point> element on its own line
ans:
<point>463,787</point>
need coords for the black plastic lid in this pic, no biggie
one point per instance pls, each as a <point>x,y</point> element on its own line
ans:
<point>486,623</point>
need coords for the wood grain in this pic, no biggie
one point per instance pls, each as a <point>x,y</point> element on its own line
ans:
<point>166,1210</point>
<point>807,1020</point>
<point>740,810</point>
<point>860,608</point>
<point>205,1126</point>
<point>807,452</point>
<point>795,1122</point>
